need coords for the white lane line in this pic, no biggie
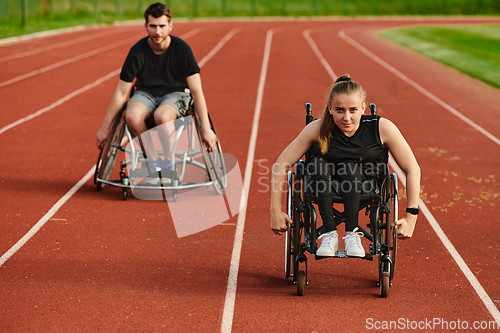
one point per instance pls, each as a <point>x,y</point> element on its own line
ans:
<point>227,317</point>
<point>46,217</point>
<point>191,33</point>
<point>219,46</point>
<point>418,87</point>
<point>314,47</point>
<point>442,236</point>
<point>60,44</point>
<point>61,101</point>
<point>69,61</point>
<point>79,91</point>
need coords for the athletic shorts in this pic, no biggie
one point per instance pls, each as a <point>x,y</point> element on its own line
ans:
<point>179,100</point>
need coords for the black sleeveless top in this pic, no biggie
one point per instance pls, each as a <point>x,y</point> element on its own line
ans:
<point>363,147</point>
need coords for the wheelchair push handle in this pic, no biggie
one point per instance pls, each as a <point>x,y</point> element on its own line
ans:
<point>308,108</point>
<point>373,108</point>
<point>309,117</point>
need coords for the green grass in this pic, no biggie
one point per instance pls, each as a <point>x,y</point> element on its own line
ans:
<point>473,50</point>
<point>52,14</point>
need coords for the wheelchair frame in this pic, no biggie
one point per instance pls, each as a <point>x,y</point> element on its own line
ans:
<point>302,235</point>
<point>120,135</point>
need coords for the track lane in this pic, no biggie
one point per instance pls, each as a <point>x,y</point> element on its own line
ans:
<point>164,267</point>
<point>407,295</point>
<point>86,245</point>
<point>21,53</point>
<point>445,179</point>
<point>463,197</point>
<point>52,135</point>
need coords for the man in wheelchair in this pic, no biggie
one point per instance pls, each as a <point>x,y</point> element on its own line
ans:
<point>167,77</point>
<point>352,146</point>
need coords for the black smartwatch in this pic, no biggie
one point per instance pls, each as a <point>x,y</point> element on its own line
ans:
<point>413,211</point>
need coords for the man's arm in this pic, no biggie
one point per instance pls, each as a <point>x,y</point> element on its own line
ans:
<point>119,98</point>
<point>200,107</point>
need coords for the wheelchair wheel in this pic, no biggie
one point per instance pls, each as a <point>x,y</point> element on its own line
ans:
<point>301,283</point>
<point>108,154</point>
<point>391,198</point>
<point>310,234</point>
<point>386,215</point>
<point>288,251</point>
<point>384,279</point>
<point>296,226</point>
<point>394,217</point>
<point>288,234</point>
<point>214,160</point>
<point>382,247</point>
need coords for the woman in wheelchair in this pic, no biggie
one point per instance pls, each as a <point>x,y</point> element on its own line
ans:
<point>351,147</point>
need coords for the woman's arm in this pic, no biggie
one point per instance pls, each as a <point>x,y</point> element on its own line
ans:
<point>403,155</point>
<point>286,160</point>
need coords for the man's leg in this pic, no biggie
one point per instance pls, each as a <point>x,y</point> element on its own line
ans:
<point>172,106</point>
<point>165,115</point>
<point>136,116</point>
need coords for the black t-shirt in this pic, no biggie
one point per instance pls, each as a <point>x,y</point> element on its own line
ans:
<point>363,147</point>
<point>160,74</point>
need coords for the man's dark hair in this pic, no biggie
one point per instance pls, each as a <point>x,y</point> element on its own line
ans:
<point>157,10</point>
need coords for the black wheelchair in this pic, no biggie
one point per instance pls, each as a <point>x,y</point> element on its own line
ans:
<point>381,205</point>
<point>188,150</point>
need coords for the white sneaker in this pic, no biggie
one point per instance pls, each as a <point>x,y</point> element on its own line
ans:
<point>329,244</point>
<point>353,247</point>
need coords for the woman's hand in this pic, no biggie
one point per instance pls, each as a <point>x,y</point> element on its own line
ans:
<point>405,227</point>
<point>279,222</point>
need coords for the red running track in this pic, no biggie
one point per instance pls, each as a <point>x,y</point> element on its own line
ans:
<point>88,261</point>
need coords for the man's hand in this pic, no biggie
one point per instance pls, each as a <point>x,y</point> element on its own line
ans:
<point>209,138</point>
<point>280,222</point>
<point>101,138</point>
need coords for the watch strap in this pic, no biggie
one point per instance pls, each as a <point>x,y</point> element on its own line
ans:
<point>413,211</point>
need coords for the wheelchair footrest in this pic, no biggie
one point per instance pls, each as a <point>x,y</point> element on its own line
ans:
<point>144,173</point>
<point>342,254</point>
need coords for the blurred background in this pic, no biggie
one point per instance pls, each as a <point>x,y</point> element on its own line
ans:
<point>24,16</point>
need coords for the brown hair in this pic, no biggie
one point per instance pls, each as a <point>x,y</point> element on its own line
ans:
<point>157,10</point>
<point>343,85</point>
